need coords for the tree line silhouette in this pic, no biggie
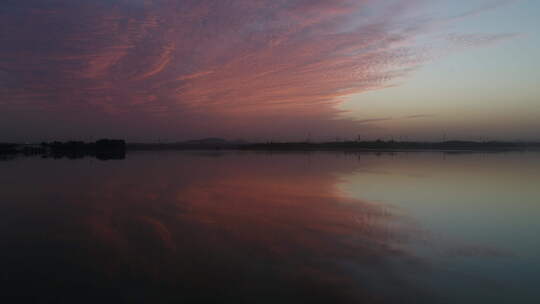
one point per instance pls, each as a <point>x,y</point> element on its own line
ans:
<point>102,149</point>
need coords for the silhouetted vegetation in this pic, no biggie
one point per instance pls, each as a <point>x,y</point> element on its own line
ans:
<point>8,148</point>
<point>102,149</point>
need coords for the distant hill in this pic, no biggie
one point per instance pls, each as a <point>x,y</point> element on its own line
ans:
<point>206,141</point>
<point>210,143</point>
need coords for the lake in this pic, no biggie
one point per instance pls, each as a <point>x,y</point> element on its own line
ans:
<point>247,227</point>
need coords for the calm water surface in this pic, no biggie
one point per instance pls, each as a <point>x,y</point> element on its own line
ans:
<point>175,227</point>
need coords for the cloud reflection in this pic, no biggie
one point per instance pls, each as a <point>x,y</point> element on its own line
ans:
<point>233,228</point>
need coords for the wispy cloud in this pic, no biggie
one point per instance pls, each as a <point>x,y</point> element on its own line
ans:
<point>485,7</point>
<point>475,40</point>
<point>241,65</point>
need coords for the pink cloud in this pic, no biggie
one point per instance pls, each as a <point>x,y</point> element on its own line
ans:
<point>239,66</point>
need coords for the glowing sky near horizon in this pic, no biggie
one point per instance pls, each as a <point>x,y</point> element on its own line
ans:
<point>269,69</point>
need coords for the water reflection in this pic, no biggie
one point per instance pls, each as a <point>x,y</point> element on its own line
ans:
<point>215,227</point>
<point>173,226</point>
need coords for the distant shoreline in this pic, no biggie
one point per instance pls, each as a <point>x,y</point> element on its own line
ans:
<point>367,146</point>
<point>117,148</point>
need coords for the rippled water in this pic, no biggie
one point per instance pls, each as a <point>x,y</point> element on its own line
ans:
<point>176,227</point>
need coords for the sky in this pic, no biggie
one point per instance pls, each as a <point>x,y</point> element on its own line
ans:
<point>169,70</point>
